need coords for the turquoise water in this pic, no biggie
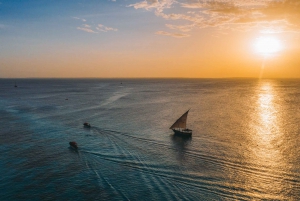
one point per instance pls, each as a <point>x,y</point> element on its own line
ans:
<point>245,143</point>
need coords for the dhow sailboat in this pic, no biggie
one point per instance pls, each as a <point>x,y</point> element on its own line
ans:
<point>179,127</point>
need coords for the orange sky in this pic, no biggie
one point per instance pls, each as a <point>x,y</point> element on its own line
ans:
<point>151,38</point>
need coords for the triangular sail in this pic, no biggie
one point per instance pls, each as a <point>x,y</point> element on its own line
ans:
<point>181,122</point>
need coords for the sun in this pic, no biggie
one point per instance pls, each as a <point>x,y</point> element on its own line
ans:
<point>267,45</point>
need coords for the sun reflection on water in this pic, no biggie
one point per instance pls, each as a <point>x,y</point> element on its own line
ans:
<point>267,128</point>
<point>266,137</point>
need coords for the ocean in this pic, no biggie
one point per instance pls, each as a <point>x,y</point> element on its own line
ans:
<point>245,142</point>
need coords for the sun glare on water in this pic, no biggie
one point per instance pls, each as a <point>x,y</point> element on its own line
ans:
<point>267,45</point>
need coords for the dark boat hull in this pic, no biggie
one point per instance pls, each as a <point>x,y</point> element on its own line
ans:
<point>183,133</point>
<point>87,125</point>
<point>73,145</point>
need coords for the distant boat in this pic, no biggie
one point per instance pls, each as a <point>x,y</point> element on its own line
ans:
<point>87,125</point>
<point>73,145</point>
<point>179,127</point>
<point>16,84</point>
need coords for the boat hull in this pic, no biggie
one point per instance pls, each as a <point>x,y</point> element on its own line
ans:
<point>86,125</point>
<point>183,133</point>
<point>73,145</point>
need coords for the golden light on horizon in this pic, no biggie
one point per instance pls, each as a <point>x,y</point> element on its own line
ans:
<point>267,45</point>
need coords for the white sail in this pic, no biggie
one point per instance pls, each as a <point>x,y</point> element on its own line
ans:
<point>181,122</point>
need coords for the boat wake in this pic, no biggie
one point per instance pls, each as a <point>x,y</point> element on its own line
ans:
<point>157,163</point>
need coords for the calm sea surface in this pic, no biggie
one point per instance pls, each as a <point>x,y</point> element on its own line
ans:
<point>245,143</point>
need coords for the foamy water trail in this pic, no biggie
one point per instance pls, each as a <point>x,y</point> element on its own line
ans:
<point>127,153</point>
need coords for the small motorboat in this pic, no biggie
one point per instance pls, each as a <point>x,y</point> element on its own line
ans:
<point>87,125</point>
<point>73,145</point>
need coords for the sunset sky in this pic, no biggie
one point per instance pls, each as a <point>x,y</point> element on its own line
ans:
<point>149,38</point>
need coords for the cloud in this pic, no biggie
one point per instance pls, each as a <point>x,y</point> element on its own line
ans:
<point>176,35</point>
<point>92,28</point>
<point>86,26</point>
<point>159,6</point>
<point>86,29</point>
<point>279,12</point>
<point>288,10</point>
<point>220,13</point>
<point>103,28</point>
<point>252,12</point>
<point>77,18</point>
<point>95,29</point>
<point>183,28</point>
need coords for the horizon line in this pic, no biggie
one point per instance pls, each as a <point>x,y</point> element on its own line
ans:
<point>149,78</point>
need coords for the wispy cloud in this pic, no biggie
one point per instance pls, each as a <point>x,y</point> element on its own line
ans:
<point>159,6</point>
<point>183,28</point>
<point>81,19</point>
<point>86,29</point>
<point>176,35</point>
<point>103,28</point>
<point>220,13</point>
<point>93,28</point>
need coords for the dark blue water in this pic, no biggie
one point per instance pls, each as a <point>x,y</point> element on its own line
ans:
<point>245,143</point>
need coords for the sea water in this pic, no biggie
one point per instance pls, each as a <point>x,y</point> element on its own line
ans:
<point>245,142</point>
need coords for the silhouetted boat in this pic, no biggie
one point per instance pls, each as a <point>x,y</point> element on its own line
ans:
<point>87,125</point>
<point>73,145</point>
<point>16,84</point>
<point>179,127</point>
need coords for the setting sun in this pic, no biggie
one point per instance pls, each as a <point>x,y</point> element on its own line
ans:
<point>267,45</point>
